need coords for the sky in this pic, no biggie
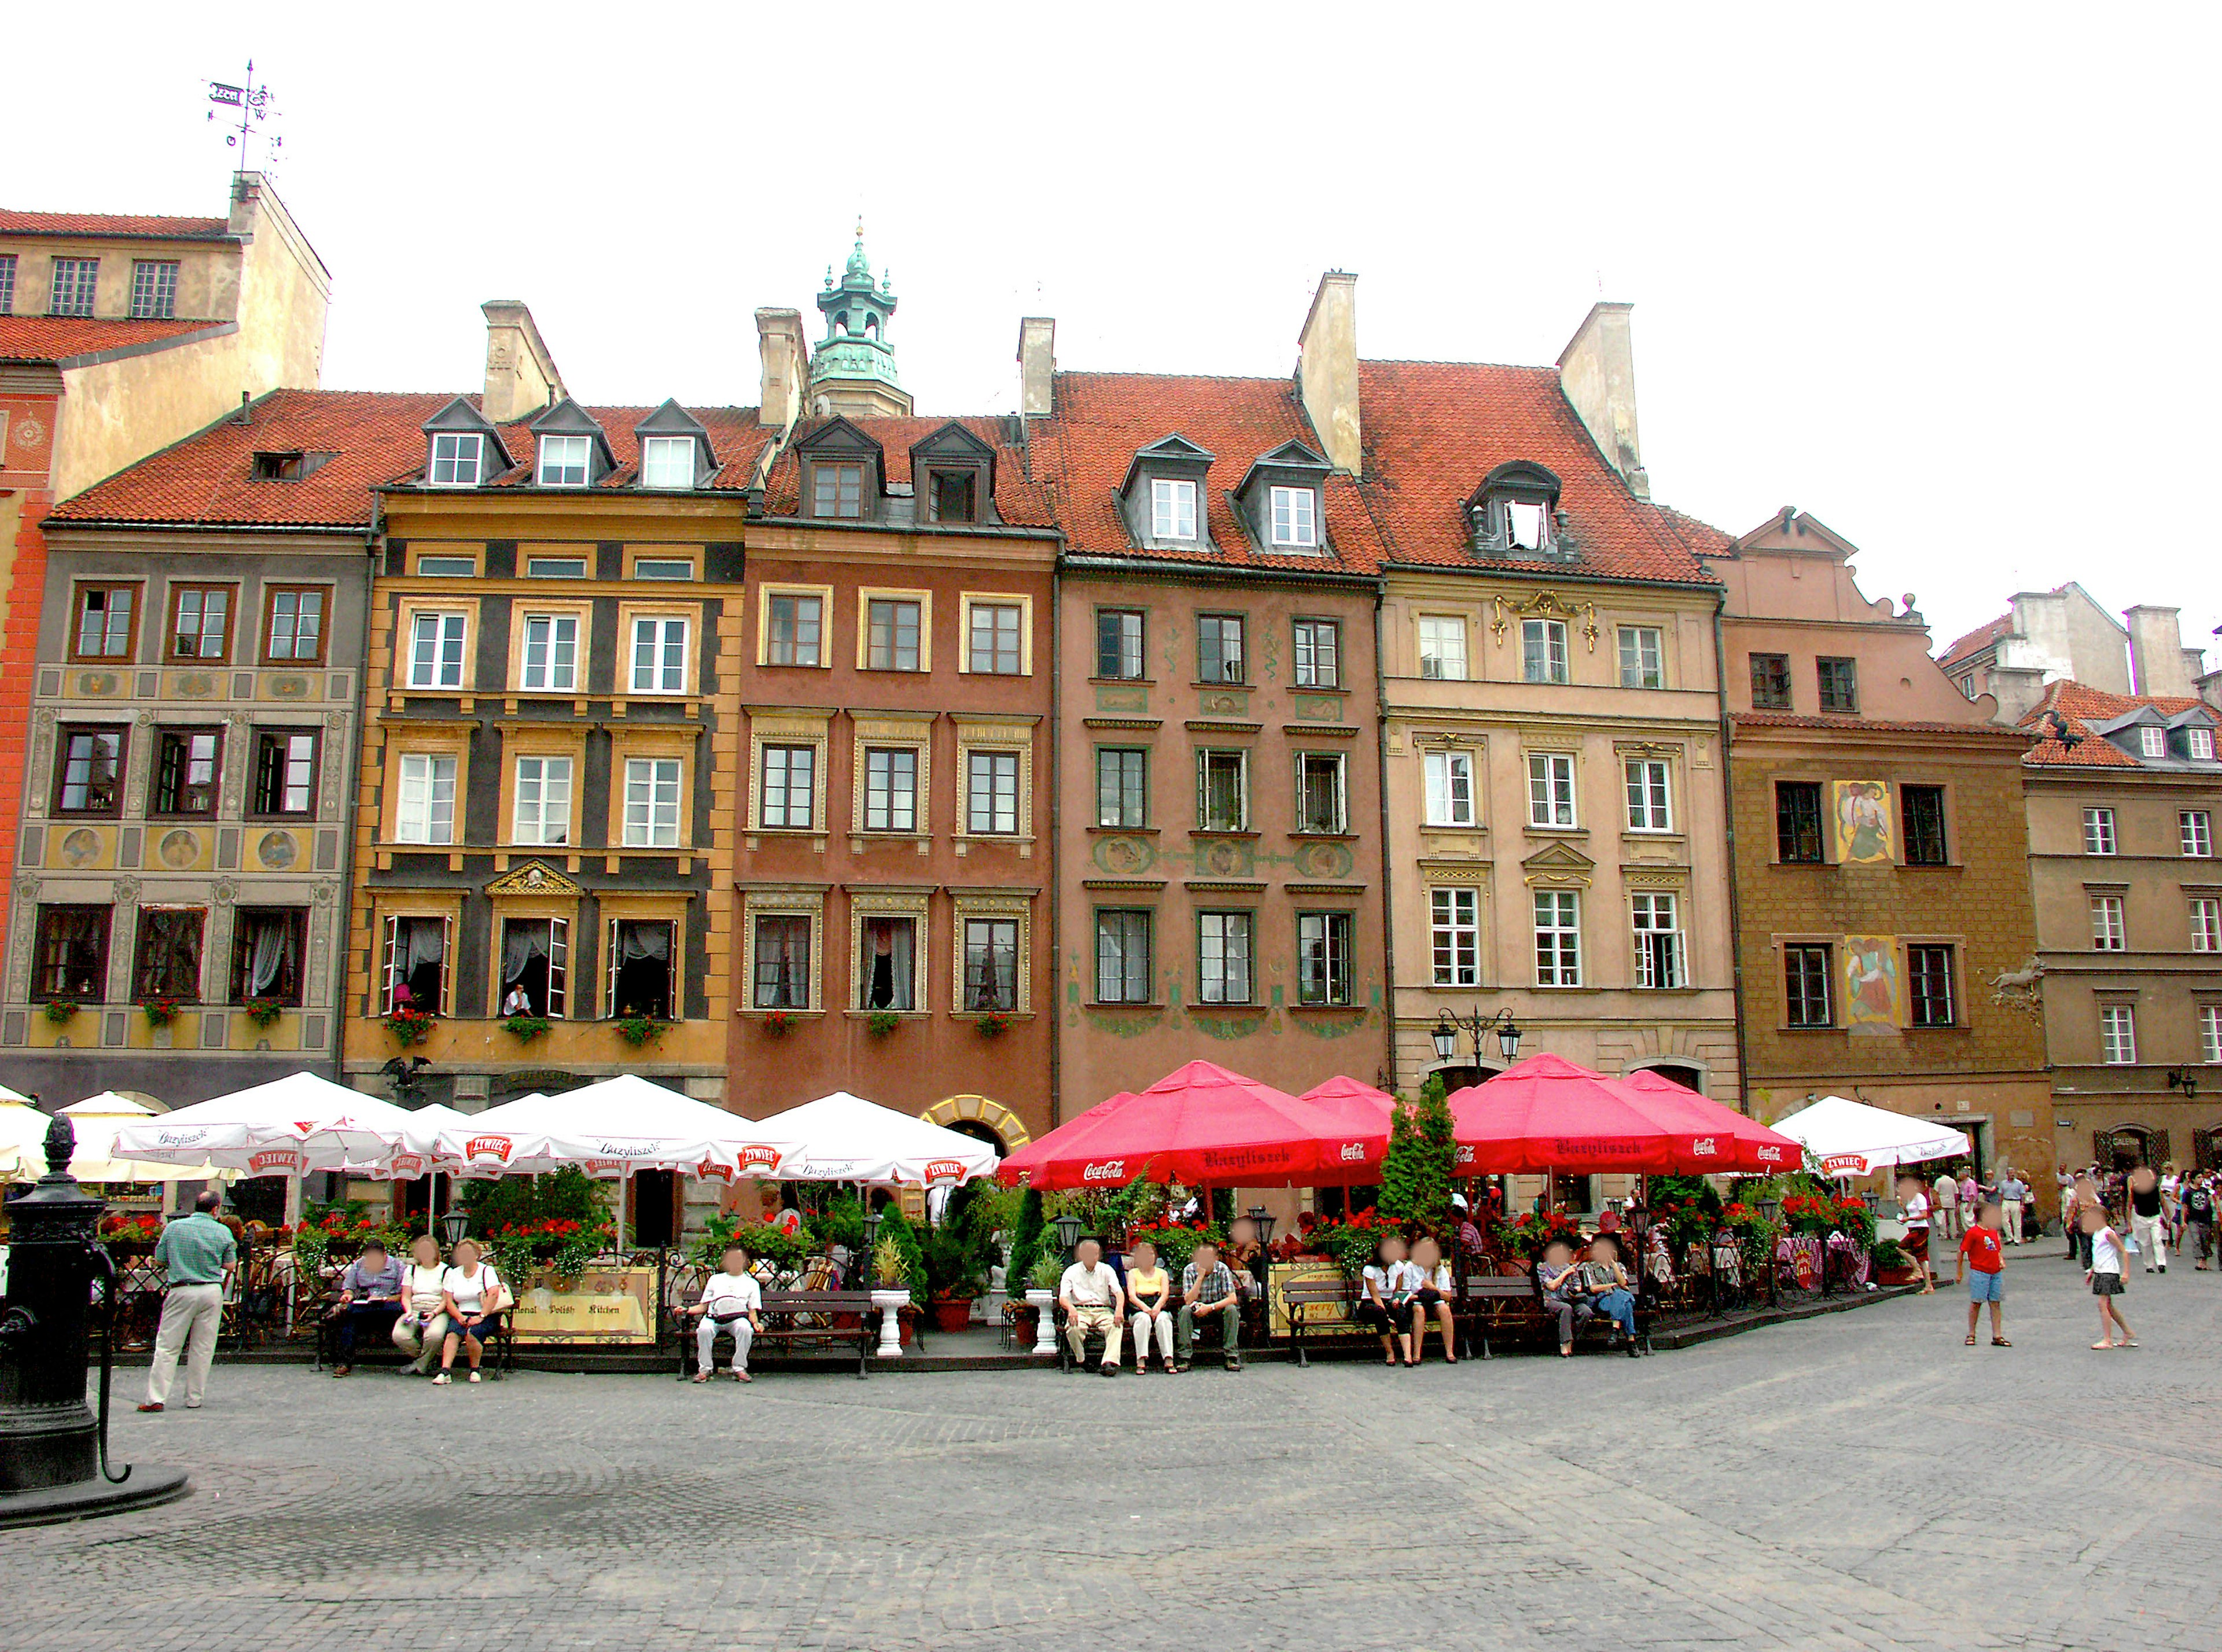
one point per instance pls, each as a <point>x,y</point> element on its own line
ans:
<point>1926,273</point>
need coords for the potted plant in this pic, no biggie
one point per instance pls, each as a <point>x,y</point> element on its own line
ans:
<point>409,1025</point>
<point>263,1012</point>
<point>880,1022</point>
<point>1042,1281</point>
<point>525,1028</point>
<point>891,1293</point>
<point>778,1022</point>
<point>951,1279</point>
<point>131,1235</point>
<point>994,1024</point>
<point>1891,1264</point>
<point>638,1030</point>
<point>62,1011</point>
<point>159,1012</point>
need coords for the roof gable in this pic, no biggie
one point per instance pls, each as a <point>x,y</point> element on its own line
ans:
<point>837,436</point>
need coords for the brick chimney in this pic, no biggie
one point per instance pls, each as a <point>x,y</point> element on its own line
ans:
<point>1326,368</point>
<point>2156,651</point>
<point>520,375</point>
<point>1037,366</point>
<point>1597,371</point>
<point>786,368</point>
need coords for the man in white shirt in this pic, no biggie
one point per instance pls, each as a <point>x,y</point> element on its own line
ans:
<point>1092,1301</point>
<point>2013,1191</point>
<point>731,1300</point>
<point>1944,1206</point>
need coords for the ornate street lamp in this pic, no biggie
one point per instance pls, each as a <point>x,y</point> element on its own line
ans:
<point>872,1232</point>
<point>1265,1220</point>
<point>2184,1079</point>
<point>1068,1227</point>
<point>453,1227</point>
<point>1769,1210</point>
<point>1445,1037</point>
<point>1448,1027</point>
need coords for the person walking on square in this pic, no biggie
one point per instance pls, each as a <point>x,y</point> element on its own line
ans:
<point>2104,1274</point>
<point>197,1255</point>
<point>1914,1204</point>
<point>1092,1301</point>
<point>1982,1269</point>
<point>2149,1217</point>
<point>2198,1220</point>
<point>1209,1292</point>
<point>1149,1300</point>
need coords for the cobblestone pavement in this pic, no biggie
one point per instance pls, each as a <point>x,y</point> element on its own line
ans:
<point>1856,1480</point>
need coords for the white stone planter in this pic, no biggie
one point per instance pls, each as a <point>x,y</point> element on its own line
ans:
<point>1045,1303</point>
<point>891,1304</point>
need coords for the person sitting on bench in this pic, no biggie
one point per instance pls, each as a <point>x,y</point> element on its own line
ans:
<point>1149,1299</point>
<point>1560,1276</point>
<point>370,1294</point>
<point>471,1297</point>
<point>1208,1293</point>
<point>732,1301</point>
<point>1610,1289</point>
<point>1429,1277</point>
<point>422,1323</point>
<point>1386,1296</point>
<point>1092,1301</point>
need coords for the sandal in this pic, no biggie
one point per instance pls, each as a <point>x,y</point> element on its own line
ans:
<point>2097,1346</point>
<point>1971,1339</point>
<point>2001,1343</point>
<point>701,1376</point>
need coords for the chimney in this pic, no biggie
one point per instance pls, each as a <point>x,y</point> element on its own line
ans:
<point>1326,368</point>
<point>1037,366</point>
<point>2156,651</point>
<point>520,375</point>
<point>786,368</point>
<point>1597,371</point>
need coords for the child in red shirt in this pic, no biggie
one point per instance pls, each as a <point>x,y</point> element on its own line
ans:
<point>1983,1268</point>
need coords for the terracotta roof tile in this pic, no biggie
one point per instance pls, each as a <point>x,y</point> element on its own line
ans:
<point>737,436</point>
<point>1020,501</point>
<point>1976,641</point>
<point>112,223</point>
<point>1867,725</point>
<point>2079,706</point>
<point>66,338</point>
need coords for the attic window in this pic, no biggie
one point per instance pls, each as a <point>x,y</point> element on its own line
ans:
<point>951,495</point>
<point>456,457</point>
<point>667,461</point>
<point>1528,525</point>
<point>2152,740</point>
<point>1515,512</point>
<point>1295,516</point>
<point>564,460</point>
<point>278,467</point>
<point>1172,508</point>
<point>2200,744</point>
<point>837,490</point>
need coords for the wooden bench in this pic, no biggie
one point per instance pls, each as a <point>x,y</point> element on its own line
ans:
<point>1511,1306</point>
<point>795,1317</point>
<point>1300,1297</point>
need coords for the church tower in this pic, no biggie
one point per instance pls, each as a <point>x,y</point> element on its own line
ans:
<point>853,370</point>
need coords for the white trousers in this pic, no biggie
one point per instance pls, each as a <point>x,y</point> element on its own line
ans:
<point>190,1317</point>
<point>1164,1336</point>
<point>706,1341</point>
<point>415,1340</point>
<point>1094,1317</point>
<point>2151,1234</point>
<point>2012,1213</point>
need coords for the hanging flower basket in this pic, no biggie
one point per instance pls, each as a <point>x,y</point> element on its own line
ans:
<point>525,1028</point>
<point>637,1031</point>
<point>880,1022</point>
<point>994,1024</point>
<point>778,1022</point>
<point>409,1025</point>
<point>263,1012</point>
<point>62,1011</point>
<point>159,1012</point>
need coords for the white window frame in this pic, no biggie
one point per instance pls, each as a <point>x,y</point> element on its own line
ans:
<point>153,289</point>
<point>1449,785</point>
<point>1650,785</point>
<point>435,669</point>
<point>548,823</point>
<point>2200,743</point>
<point>1454,934</point>
<point>417,806</point>
<point>1233,937</point>
<point>2098,832</point>
<point>1307,637</point>
<point>2109,924</point>
<point>1295,518</point>
<point>2195,831</point>
<point>1340,763</point>
<point>1654,668</point>
<point>84,277</point>
<point>786,748</point>
<point>557,998</point>
<point>1562,924</point>
<point>2152,740</point>
<point>1551,796</point>
<point>551,679</point>
<point>1324,938</point>
<point>1203,756</point>
<point>652,821</point>
<point>2209,1033</point>
<point>1551,635</point>
<point>1656,915</point>
<point>1172,507</point>
<point>2118,1035</point>
<point>560,455</point>
<point>658,456</point>
<point>661,670</point>
<point>458,459</point>
<point>2206,924</point>
<point>1443,644</point>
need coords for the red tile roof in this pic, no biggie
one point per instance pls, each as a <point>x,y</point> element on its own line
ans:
<point>1020,501</point>
<point>1103,419</point>
<point>2079,706</point>
<point>1867,725</point>
<point>736,437</point>
<point>134,225</point>
<point>61,339</point>
<point>1976,641</point>
<point>1433,429</point>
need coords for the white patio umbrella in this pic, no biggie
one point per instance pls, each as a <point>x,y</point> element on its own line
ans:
<point>845,1138</point>
<point>610,1130</point>
<point>96,1119</point>
<point>23,1140</point>
<point>431,1119</point>
<point>1849,1137</point>
<point>288,1127</point>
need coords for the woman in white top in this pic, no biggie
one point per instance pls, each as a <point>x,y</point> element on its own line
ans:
<point>1913,1200</point>
<point>424,1299</point>
<point>1428,1279</point>
<point>1384,1293</point>
<point>471,1296</point>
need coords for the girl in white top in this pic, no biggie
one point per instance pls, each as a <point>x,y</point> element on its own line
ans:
<point>1428,1279</point>
<point>472,1296</point>
<point>2104,1274</point>
<point>1385,1293</point>
<point>424,1297</point>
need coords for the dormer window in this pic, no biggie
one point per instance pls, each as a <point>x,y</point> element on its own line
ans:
<point>2200,742</point>
<point>951,496</point>
<point>844,473</point>
<point>2152,740</point>
<point>667,461</point>
<point>1161,497</point>
<point>457,459</point>
<point>1172,508</point>
<point>1515,512</point>
<point>1527,525</point>
<point>837,490</point>
<point>563,460</point>
<point>953,472</point>
<point>1295,516</point>
<point>277,467</point>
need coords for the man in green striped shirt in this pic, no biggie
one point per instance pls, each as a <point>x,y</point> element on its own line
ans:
<point>197,1255</point>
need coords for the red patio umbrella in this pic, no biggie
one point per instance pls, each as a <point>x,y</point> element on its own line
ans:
<point>1745,1144</point>
<point>1365,1114</point>
<point>1204,1126</point>
<point>1548,1114</point>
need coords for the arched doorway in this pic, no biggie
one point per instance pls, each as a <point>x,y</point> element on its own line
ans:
<point>1460,1075</point>
<point>977,1115</point>
<point>980,1132</point>
<point>2127,1146</point>
<point>1682,1072</point>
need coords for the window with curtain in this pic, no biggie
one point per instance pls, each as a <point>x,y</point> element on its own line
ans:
<point>285,770</point>
<point>416,964</point>
<point>1323,957</point>
<point>640,967</point>
<point>991,964</point>
<point>425,809</point>
<point>1122,958</point>
<point>543,800</point>
<point>267,950</point>
<point>888,975</point>
<point>1223,957</point>
<point>70,960</point>
<point>536,958</point>
<point>167,961</point>
<point>782,962</point>
<point>89,776</point>
<point>186,771</point>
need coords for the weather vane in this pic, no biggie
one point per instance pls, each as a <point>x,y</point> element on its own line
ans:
<point>255,107</point>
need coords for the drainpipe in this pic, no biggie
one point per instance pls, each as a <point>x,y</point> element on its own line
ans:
<point>1055,830</point>
<point>373,555</point>
<point>1381,793</point>
<point>1728,819</point>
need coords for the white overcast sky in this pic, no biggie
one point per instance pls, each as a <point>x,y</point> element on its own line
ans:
<point>1931,274</point>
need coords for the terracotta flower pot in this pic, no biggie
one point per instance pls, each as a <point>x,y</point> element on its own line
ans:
<point>952,1314</point>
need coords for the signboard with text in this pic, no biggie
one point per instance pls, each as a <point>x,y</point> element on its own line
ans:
<point>600,1305</point>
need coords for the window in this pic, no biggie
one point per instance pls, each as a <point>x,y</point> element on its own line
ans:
<point>1321,802</point>
<point>1295,516</point>
<point>1122,787</point>
<point>153,289</point>
<point>891,634</point>
<point>1456,925</point>
<point>1122,958</point>
<point>425,812</point>
<point>1118,643</point>
<point>435,651</point>
<point>887,971</point>
<point>1659,959</point>
<point>2152,740</point>
<point>456,459</point>
<point>2098,832</point>
<point>1218,648</point>
<point>837,490</point>
<point>991,964</point>
<point>1642,661</point>
<point>2210,1032</point>
<point>2118,1035</point>
<point>1806,977</point>
<point>797,627</point>
<point>890,788</point>
<point>994,643</point>
<point>7,283</point>
<point>786,797</point>
<point>1527,522</point>
<point>1172,508</point>
<point>1797,822</point>
<point>551,651</point>
<point>290,466</point>
<point>556,567</point>
<point>285,771</point>
<point>1223,957</point>
<point>667,461</point>
<point>1543,651</point>
<point>1550,789</point>
<point>166,960</point>
<point>2200,743</point>
<point>991,792</point>
<point>89,778</point>
<point>651,800</point>
<point>1648,807</point>
<point>1450,789</point>
<point>105,621</point>
<point>663,567</point>
<point>1322,957</point>
<point>2195,828</point>
<point>1223,791</point>
<point>642,952</point>
<point>75,281</point>
<point>952,496</point>
<point>1442,647</point>
<point>536,962</point>
<point>2206,924</point>
<point>1319,653</point>
<point>659,655</point>
<point>70,960</point>
<point>186,771</point>
<point>1929,971</point>
<point>1770,681</point>
<point>1839,684</point>
<point>296,624</point>
<point>267,947</point>
<point>415,964</point>
<point>1921,809</point>
<point>1558,938</point>
<point>2109,933</point>
<point>200,622</point>
<point>448,568</point>
<point>543,800</point>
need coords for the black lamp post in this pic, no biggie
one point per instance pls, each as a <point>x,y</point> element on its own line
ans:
<point>1068,1227</point>
<point>1478,1027</point>
<point>872,1221</point>
<point>453,1227</point>
<point>1769,1210</point>
<point>1265,1220</point>
<point>2184,1079</point>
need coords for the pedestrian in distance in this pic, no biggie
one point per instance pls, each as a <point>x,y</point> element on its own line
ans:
<point>1944,1204</point>
<point>197,1254</point>
<point>2013,1193</point>
<point>731,1300</point>
<point>2198,1220</point>
<point>2149,1217</point>
<point>1149,1300</point>
<point>1092,1301</point>
<point>1913,1206</point>
<point>2104,1274</point>
<point>1982,1269</point>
